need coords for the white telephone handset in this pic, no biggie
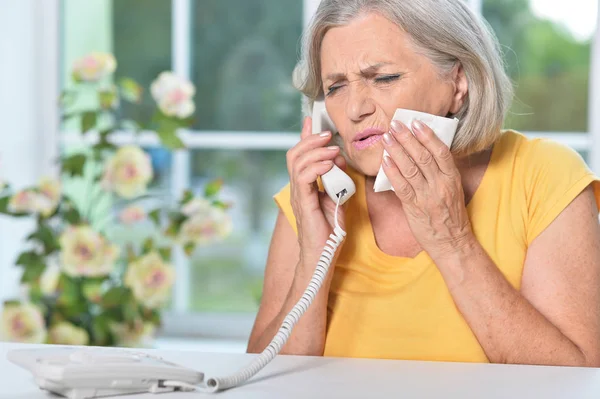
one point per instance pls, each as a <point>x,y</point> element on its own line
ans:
<point>336,182</point>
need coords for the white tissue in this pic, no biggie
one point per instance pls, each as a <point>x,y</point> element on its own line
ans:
<point>444,128</point>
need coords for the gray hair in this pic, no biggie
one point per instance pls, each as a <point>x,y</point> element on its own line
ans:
<point>447,32</point>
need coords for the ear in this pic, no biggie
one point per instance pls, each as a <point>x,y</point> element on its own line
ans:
<point>461,88</point>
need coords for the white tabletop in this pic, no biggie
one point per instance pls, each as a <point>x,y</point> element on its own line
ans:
<point>316,377</point>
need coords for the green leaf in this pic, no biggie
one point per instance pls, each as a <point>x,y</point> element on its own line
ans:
<point>73,165</point>
<point>165,253</point>
<point>170,140</point>
<point>29,258</point>
<point>45,236</point>
<point>67,98</point>
<point>221,204</point>
<point>4,204</point>
<point>148,245</point>
<point>69,291</point>
<point>188,195</point>
<point>88,120</point>
<point>11,302</point>
<point>92,290</point>
<point>151,316</point>
<point>32,272</point>
<point>213,188</point>
<point>108,99</point>
<point>131,90</point>
<point>116,296</point>
<point>131,311</point>
<point>177,220</point>
<point>101,330</point>
<point>189,248</point>
<point>155,217</point>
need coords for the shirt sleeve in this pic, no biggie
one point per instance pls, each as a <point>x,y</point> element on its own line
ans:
<point>554,176</point>
<point>283,201</point>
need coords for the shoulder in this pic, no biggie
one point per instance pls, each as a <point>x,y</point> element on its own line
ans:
<point>549,175</point>
<point>538,151</point>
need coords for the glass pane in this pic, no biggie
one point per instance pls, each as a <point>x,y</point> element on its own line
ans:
<point>244,52</point>
<point>547,49</point>
<point>138,33</point>
<point>228,276</point>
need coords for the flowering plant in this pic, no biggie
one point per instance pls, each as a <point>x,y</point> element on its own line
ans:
<point>82,285</point>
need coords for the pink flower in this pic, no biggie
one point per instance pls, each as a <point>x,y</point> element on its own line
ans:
<point>173,95</point>
<point>94,66</point>
<point>132,214</point>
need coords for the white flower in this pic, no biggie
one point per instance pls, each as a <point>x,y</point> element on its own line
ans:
<point>173,95</point>
<point>196,206</point>
<point>132,214</point>
<point>150,279</point>
<point>44,200</point>
<point>50,190</point>
<point>84,252</point>
<point>94,66</point>
<point>49,279</point>
<point>65,333</point>
<point>23,323</point>
<point>24,201</point>
<point>206,227</point>
<point>140,335</point>
<point>128,172</point>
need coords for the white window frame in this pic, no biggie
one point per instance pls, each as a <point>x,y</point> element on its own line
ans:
<point>179,321</point>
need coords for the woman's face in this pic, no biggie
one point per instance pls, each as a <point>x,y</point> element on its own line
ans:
<point>369,69</point>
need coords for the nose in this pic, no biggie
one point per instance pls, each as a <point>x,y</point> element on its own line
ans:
<point>360,104</point>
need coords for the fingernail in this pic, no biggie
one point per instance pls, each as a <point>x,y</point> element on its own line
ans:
<point>387,138</point>
<point>328,162</point>
<point>387,160</point>
<point>333,147</point>
<point>397,125</point>
<point>325,134</point>
<point>418,126</point>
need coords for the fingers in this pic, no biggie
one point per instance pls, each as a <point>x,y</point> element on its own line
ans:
<point>439,151</point>
<point>403,189</point>
<point>406,167</point>
<point>306,144</point>
<point>315,156</point>
<point>340,161</point>
<point>309,175</point>
<point>306,128</point>
<point>419,154</point>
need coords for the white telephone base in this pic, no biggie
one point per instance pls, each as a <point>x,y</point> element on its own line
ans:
<point>86,373</point>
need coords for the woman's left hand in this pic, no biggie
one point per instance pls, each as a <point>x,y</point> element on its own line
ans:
<point>425,178</point>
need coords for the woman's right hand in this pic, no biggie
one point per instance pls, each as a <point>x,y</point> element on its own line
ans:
<point>314,210</point>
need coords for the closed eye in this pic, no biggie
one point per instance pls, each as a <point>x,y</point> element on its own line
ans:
<point>331,89</point>
<point>387,78</point>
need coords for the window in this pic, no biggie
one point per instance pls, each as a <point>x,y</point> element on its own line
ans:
<point>240,55</point>
<point>547,47</point>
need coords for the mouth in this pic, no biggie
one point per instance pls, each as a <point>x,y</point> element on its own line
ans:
<point>367,138</point>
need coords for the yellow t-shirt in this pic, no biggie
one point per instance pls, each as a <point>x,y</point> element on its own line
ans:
<point>389,307</point>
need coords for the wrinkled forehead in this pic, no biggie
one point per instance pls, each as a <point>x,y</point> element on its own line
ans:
<point>364,41</point>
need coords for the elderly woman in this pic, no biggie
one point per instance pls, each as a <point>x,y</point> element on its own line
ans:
<point>488,251</point>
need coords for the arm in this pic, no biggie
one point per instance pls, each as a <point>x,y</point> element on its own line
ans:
<point>555,319</point>
<point>284,283</point>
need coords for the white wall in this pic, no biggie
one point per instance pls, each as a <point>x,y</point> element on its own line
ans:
<point>27,97</point>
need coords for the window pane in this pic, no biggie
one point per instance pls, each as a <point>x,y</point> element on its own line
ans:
<point>244,52</point>
<point>228,276</point>
<point>138,33</point>
<point>547,49</point>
